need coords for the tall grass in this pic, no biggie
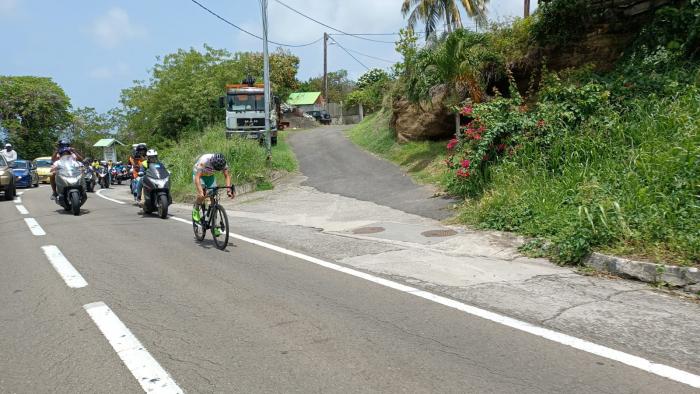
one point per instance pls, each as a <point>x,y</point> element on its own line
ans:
<point>626,184</point>
<point>246,159</point>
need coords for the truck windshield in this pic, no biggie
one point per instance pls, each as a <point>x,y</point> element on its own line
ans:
<point>246,102</point>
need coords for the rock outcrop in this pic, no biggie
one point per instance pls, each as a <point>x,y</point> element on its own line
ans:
<point>423,121</point>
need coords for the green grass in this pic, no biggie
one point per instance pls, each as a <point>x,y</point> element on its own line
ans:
<point>625,184</point>
<point>246,160</point>
<point>422,160</point>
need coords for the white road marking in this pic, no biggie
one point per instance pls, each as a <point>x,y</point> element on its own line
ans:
<point>22,209</point>
<point>17,200</point>
<point>34,226</point>
<point>64,268</point>
<point>99,193</point>
<point>20,193</point>
<point>564,339</point>
<point>150,375</point>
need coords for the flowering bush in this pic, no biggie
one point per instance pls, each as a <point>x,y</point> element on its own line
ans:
<point>497,128</point>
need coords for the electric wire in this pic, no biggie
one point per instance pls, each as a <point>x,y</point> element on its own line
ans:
<point>350,54</point>
<point>249,33</point>
<point>328,26</point>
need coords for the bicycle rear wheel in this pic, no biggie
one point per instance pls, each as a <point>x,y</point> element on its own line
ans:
<point>199,230</point>
<point>219,227</point>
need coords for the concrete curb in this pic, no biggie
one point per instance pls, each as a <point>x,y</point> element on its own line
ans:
<point>245,188</point>
<point>687,278</point>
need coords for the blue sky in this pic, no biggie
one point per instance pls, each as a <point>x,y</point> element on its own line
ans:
<point>93,49</point>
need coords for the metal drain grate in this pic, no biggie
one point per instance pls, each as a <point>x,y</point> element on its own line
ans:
<point>438,233</point>
<point>368,230</point>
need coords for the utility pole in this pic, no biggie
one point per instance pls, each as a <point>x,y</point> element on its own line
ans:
<point>266,77</point>
<point>527,8</point>
<point>325,67</point>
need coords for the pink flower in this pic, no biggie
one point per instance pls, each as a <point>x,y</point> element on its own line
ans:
<point>453,142</point>
<point>476,136</point>
<point>467,110</point>
<point>465,163</point>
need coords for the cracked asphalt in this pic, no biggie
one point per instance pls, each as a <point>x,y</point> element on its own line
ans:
<point>252,320</point>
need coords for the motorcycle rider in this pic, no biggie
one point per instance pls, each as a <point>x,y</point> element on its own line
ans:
<point>65,156</point>
<point>151,158</point>
<point>135,160</point>
<point>62,148</point>
<point>203,177</point>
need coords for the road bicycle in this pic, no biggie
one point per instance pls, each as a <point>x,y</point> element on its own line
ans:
<point>214,218</point>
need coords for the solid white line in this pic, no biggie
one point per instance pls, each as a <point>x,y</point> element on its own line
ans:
<point>99,193</point>
<point>580,344</point>
<point>17,200</point>
<point>34,227</point>
<point>22,209</point>
<point>150,375</point>
<point>64,268</point>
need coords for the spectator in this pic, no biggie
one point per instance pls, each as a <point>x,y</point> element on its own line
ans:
<point>9,154</point>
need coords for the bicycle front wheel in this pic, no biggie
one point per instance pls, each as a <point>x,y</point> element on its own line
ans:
<point>219,227</point>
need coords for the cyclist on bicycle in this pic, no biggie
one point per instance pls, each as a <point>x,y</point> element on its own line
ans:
<point>203,176</point>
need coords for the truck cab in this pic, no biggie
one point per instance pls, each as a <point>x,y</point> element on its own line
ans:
<point>245,111</point>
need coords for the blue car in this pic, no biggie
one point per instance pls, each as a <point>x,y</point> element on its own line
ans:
<point>25,174</point>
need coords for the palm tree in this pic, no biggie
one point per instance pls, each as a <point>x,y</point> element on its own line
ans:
<point>433,11</point>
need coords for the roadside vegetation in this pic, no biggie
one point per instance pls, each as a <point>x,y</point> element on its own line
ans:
<point>247,161</point>
<point>580,159</point>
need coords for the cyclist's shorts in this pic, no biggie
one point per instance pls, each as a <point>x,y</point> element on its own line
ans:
<point>206,181</point>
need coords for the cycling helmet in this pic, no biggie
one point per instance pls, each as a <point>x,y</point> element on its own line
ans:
<point>218,162</point>
<point>152,155</point>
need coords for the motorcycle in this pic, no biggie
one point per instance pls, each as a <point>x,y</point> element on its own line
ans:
<point>103,177</point>
<point>70,185</point>
<point>156,189</point>
<point>90,179</point>
<point>113,175</point>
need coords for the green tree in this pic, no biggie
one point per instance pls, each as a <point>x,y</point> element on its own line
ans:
<point>371,87</point>
<point>182,94</point>
<point>86,128</point>
<point>432,12</point>
<point>34,111</point>
<point>339,85</point>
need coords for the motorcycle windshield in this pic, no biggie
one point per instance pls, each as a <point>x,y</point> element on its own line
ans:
<point>157,171</point>
<point>68,167</point>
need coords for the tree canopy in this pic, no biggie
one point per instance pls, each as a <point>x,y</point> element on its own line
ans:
<point>34,111</point>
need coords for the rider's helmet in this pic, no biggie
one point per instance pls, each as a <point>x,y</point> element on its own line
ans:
<point>218,161</point>
<point>62,143</point>
<point>152,156</point>
<point>141,150</point>
<point>103,163</point>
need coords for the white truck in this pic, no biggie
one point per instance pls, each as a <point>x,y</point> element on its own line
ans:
<point>245,111</point>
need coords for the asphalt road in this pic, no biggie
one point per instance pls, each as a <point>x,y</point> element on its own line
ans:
<point>335,165</point>
<point>248,320</point>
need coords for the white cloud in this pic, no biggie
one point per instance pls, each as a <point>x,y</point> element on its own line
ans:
<point>109,72</point>
<point>113,28</point>
<point>7,7</point>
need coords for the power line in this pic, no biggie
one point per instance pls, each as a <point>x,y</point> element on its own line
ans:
<point>330,27</point>
<point>368,56</point>
<point>346,51</point>
<point>249,33</point>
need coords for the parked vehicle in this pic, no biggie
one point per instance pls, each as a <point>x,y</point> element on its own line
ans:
<point>245,111</point>
<point>103,177</point>
<point>70,185</point>
<point>7,179</point>
<point>156,189</point>
<point>25,174</point>
<point>90,179</point>
<point>322,117</point>
<point>43,168</point>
